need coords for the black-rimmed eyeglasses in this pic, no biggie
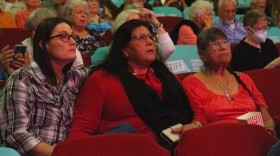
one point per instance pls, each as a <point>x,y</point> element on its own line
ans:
<point>64,37</point>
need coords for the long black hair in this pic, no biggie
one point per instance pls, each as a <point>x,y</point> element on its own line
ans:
<point>40,52</point>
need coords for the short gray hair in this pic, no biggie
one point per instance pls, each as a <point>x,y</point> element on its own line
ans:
<point>198,8</point>
<point>221,2</point>
<point>251,18</point>
<point>70,5</point>
<point>37,16</point>
<point>122,18</point>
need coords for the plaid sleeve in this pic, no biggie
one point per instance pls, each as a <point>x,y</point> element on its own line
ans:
<point>14,119</point>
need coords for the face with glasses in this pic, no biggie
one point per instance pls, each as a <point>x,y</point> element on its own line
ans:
<point>228,11</point>
<point>61,46</point>
<point>141,49</point>
<point>218,52</point>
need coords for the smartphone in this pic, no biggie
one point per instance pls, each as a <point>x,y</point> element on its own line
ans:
<point>20,48</point>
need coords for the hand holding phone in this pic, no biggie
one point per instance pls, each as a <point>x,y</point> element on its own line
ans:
<point>19,50</point>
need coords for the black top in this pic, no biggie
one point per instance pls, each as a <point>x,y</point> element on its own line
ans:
<point>246,57</point>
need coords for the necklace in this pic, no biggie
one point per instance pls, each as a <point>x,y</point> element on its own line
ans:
<point>225,88</point>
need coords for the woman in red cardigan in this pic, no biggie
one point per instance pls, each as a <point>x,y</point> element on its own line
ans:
<point>132,87</point>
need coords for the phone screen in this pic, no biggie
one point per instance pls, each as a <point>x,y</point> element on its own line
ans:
<point>19,48</point>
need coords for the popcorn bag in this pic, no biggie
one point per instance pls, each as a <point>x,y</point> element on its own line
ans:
<point>254,118</point>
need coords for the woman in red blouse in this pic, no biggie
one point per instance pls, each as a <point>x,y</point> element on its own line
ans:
<point>218,94</point>
<point>132,87</point>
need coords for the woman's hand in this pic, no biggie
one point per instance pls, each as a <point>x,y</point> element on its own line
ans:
<point>149,16</point>
<point>20,60</point>
<point>185,128</point>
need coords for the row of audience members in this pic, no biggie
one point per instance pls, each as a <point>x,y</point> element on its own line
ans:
<point>55,82</point>
<point>133,86</point>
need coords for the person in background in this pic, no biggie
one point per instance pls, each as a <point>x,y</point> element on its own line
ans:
<point>135,4</point>
<point>39,99</point>
<point>218,94</point>
<point>228,22</point>
<point>6,19</point>
<point>100,18</point>
<point>275,12</point>
<point>77,12</point>
<point>179,4</point>
<point>255,50</point>
<point>109,4</point>
<point>261,6</point>
<point>131,86</point>
<point>12,6</point>
<point>10,63</point>
<point>22,16</point>
<point>165,44</point>
<point>200,18</point>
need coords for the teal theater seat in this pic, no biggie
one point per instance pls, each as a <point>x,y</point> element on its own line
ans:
<point>5,151</point>
<point>273,33</point>
<point>184,59</point>
<point>99,55</point>
<point>167,11</point>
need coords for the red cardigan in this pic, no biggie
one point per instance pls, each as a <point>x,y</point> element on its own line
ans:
<point>102,104</point>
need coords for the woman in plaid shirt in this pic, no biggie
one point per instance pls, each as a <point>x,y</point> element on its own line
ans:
<point>38,100</point>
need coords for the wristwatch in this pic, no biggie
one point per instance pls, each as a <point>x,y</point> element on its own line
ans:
<point>157,26</point>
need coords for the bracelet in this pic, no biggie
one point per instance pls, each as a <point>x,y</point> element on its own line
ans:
<point>157,26</point>
<point>198,123</point>
<point>271,131</point>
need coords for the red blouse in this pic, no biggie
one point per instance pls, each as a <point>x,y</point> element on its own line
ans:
<point>210,107</point>
<point>102,104</point>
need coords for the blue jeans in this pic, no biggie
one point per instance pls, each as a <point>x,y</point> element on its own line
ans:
<point>122,128</point>
<point>274,150</point>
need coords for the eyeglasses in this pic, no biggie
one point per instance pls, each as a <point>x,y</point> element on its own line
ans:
<point>64,37</point>
<point>143,37</point>
<point>216,45</point>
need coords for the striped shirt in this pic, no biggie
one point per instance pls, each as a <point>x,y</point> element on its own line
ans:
<point>35,111</point>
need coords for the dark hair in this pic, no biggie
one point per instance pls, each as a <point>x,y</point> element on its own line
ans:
<point>251,17</point>
<point>206,36</point>
<point>116,61</point>
<point>41,55</point>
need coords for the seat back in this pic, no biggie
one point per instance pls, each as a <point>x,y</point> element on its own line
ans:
<point>184,59</point>
<point>169,22</point>
<point>12,36</point>
<point>107,37</point>
<point>100,55</point>
<point>273,33</point>
<point>118,3</point>
<point>225,140</point>
<point>268,83</point>
<point>5,151</point>
<point>111,144</point>
<point>167,11</point>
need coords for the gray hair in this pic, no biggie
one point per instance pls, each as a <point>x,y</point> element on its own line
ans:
<point>207,36</point>
<point>70,5</point>
<point>221,2</point>
<point>251,18</point>
<point>198,8</point>
<point>37,16</point>
<point>254,1</point>
<point>122,18</point>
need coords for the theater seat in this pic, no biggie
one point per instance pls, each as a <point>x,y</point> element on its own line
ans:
<point>169,22</point>
<point>268,83</point>
<point>111,145</point>
<point>12,36</point>
<point>225,140</point>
